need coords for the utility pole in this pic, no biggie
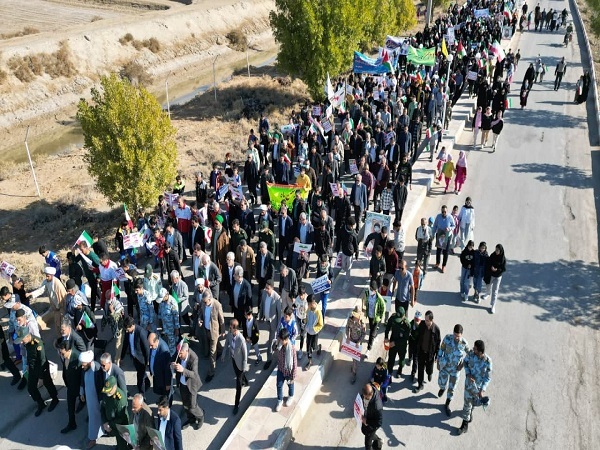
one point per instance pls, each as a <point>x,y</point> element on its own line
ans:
<point>37,188</point>
<point>167,92</point>
<point>429,11</point>
<point>215,77</point>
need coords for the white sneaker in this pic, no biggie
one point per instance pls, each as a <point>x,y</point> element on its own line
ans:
<point>493,310</point>
<point>289,401</point>
<point>278,407</point>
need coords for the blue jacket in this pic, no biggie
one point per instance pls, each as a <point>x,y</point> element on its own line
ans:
<point>361,191</point>
<point>172,439</point>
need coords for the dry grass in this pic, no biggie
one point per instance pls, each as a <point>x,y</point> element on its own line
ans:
<point>96,19</point>
<point>237,40</point>
<point>57,64</point>
<point>3,76</point>
<point>24,32</point>
<point>126,39</point>
<point>151,44</point>
<point>136,73</point>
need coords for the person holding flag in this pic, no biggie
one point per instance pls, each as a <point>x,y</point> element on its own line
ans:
<point>90,262</point>
<point>108,275</point>
<point>83,317</point>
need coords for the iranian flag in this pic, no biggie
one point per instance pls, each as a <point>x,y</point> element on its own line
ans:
<point>498,51</point>
<point>207,234</point>
<point>115,292</point>
<point>127,217</point>
<point>385,61</point>
<point>461,50</point>
<point>183,341</point>
<point>86,321</point>
<point>84,237</point>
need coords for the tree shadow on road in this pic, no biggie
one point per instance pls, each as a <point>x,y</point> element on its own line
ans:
<point>557,175</point>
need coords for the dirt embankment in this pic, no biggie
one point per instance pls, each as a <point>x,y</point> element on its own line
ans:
<point>180,43</point>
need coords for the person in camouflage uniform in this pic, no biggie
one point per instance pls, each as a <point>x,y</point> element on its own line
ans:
<point>168,313</point>
<point>113,410</point>
<point>450,362</point>
<point>478,368</point>
<point>146,304</point>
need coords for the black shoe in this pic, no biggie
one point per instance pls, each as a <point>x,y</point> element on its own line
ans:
<point>267,365</point>
<point>15,380</point>
<point>368,348</point>
<point>198,424</point>
<point>40,408</point>
<point>412,377</point>
<point>398,373</point>
<point>68,428</point>
<point>209,378</point>
<point>319,351</point>
<point>22,384</point>
<point>447,408</point>
<point>53,405</point>
<point>441,392</point>
<point>235,410</point>
<point>463,428</point>
<point>417,389</point>
<point>429,377</point>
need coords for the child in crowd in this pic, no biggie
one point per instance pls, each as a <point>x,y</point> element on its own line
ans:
<point>381,378</point>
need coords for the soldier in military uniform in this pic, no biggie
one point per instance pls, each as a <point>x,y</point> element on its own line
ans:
<point>478,367</point>
<point>450,362</point>
<point>168,313</point>
<point>38,368</point>
<point>114,410</point>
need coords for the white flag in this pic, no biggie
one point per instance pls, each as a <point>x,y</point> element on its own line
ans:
<point>329,88</point>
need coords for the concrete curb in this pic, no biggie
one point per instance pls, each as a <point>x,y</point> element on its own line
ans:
<point>575,8</point>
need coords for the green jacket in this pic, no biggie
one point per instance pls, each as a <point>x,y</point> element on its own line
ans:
<point>114,409</point>
<point>36,357</point>
<point>379,305</point>
<point>400,329</point>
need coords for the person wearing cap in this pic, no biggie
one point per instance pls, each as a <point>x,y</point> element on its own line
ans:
<point>54,289</point>
<point>74,297</point>
<point>424,238</point>
<point>237,234</point>
<point>374,307</point>
<point>92,382</point>
<point>168,313</point>
<point>212,323</point>
<point>267,236</point>
<point>71,373</point>
<point>397,332</point>
<point>8,362</point>
<point>37,368</point>
<point>355,333</point>
<point>271,311</point>
<point>450,359</point>
<point>146,303</point>
<point>51,259</point>
<point>113,410</point>
<point>247,259</point>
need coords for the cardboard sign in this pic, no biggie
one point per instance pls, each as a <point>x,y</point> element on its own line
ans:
<point>351,349</point>
<point>353,167</point>
<point>7,269</point>
<point>300,247</point>
<point>153,248</point>
<point>171,199</point>
<point>321,284</point>
<point>359,410</point>
<point>133,240</point>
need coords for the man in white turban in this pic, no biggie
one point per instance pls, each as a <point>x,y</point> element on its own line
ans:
<point>91,393</point>
<point>54,289</point>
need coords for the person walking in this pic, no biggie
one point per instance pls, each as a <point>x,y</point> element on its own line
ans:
<point>559,72</point>
<point>486,126</point>
<point>374,307</point>
<point>413,353</point>
<point>398,331</point>
<point>91,392</point>
<point>373,417</point>
<point>271,311</point>
<point>442,230</point>
<point>448,170</point>
<point>497,125</point>
<point>287,364</point>
<point>495,267</point>
<point>136,344</point>
<point>114,411</point>
<point>466,220</point>
<point>466,273</point>
<point>314,325</point>
<point>212,323</point>
<point>478,369</point>
<point>424,238</point>
<point>479,264</point>
<point>524,95</point>
<point>236,346</point>
<point>475,125</point>
<point>405,292</point>
<point>71,374</point>
<point>168,424</point>
<point>453,350</point>
<point>461,172</point>
<point>355,332</point>
<point>428,345</point>
<point>189,382</point>
<point>251,334</point>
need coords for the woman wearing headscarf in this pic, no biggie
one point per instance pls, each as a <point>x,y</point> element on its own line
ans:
<point>461,172</point>
<point>476,125</point>
<point>448,170</point>
<point>466,219</point>
<point>497,125</point>
<point>494,268</point>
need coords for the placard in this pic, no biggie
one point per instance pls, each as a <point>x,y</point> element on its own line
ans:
<point>388,302</point>
<point>338,261</point>
<point>153,248</point>
<point>222,191</point>
<point>156,439</point>
<point>450,38</point>
<point>376,221</point>
<point>334,189</point>
<point>321,284</point>
<point>351,349</point>
<point>388,137</point>
<point>329,111</point>
<point>128,433</point>
<point>353,167</point>
<point>132,240</point>
<point>6,270</point>
<point>237,194</point>
<point>359,410</point>
<point>171,199</point>
<point>300,247</point>
<point>471,75</point>
<point>120,273</point>
<point>327,126</point>
<point>316,111</point>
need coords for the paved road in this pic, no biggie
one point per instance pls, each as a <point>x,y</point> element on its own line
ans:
<point>537,197</point>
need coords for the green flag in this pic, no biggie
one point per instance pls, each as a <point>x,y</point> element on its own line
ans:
<point>85,237</point>
<point>281,193</point>
<point>86,321</point>
<point>175,296</point>
<point>425,56</point>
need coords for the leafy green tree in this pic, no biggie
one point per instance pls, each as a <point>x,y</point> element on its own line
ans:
<point>317,37</point>
<point>130,143</point>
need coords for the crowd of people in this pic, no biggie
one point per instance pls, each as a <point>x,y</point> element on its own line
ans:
<point>210,254</point>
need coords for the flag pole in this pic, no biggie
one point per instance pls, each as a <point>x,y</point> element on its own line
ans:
<point>37,188</point>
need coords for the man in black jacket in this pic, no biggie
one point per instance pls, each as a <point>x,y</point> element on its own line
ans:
<point>136,344</point>
<point>72,379</point>
<point>174,237</point>
<point>373,417</point>
<point>400,196</point>
<point>428,345</point>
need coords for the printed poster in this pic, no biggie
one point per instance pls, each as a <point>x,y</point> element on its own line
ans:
<point>6,270</point>
<point>351,349</point>
<point>353,167</point>
<point>376,221</point>
<point>300,247</point>
<point>132,240</point>
<point>359,410</point>
<point>321,284</point>
<point>316,111</point>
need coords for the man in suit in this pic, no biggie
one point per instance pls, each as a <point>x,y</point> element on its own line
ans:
<point>281,171</point>
<point>288,286</point>
<point>304,230</point>
<point>159,365</point>
<point>393,156</point>
<point>241,294</point>
<point>70,336</point>
<point>141,419</point>
<point>189,382</point>
<point>236,345</point>
<point>228,271</point>
<point>264,265</point>
<point>112,370</point>
<point>245,255</point>
<point>72,379</point>
<point>212,323</point>
<point>285,231</point>
<point>270,306</point>
<point>197,234</point>
<point>358,198</point>
<point>136,344</point>
<point>211,274</point>
<point>173,237</point>
<point>169,425</point>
